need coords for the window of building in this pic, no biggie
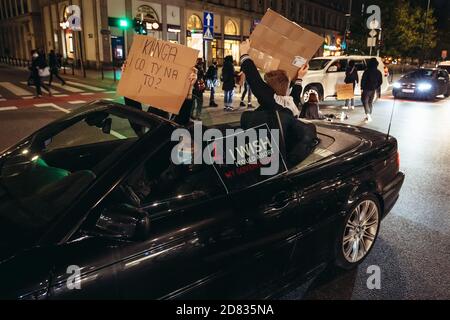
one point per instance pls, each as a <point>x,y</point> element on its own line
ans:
<point>194,23</point>
<point>231,28</point>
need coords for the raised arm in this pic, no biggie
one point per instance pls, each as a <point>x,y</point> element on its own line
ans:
<point>297,88</point>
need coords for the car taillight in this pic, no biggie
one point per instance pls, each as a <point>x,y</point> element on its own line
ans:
<point>398,160</point>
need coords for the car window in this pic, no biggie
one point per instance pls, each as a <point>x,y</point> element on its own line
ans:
<point>97,128</point>
<point>341,65</point>
<point>318,64</point>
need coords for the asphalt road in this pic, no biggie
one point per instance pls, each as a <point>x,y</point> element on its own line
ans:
<point>413,248</point>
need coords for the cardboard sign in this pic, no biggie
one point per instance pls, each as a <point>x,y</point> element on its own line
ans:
<point>278,43</point>
<point>249,157</point>
<point>345,91</point>
<point>157,73</point>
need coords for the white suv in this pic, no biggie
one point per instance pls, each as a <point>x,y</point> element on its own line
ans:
<point>325,72</point>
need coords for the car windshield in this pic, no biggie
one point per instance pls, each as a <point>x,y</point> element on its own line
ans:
<point>43,176</point>
<point>318,64</point>
<point>418,74</point>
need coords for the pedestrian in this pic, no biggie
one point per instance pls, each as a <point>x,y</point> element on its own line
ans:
<point>229,82</point>
<point>211,80</point>
<point>351,76</point>
<point>247,91</point>
<point>278,109</point>
<point>310,109</point>
<point>54,65</point>
<point>37,65</point>
<point>198,90</point>
<point>371,82</point>
<point>30,77</point>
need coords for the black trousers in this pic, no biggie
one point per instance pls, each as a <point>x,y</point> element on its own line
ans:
<point>367,97</point>
<point>55,72</point>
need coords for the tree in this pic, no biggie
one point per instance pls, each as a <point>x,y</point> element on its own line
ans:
<point>403,28</point>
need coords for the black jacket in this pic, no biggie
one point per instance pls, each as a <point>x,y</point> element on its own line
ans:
<point>372,80</point>
<point>211,74</point>
<point>53,62</point>
<point>310,111</point>
<point>351,75</point>
<point>299,137</point>
<point>228,76</point>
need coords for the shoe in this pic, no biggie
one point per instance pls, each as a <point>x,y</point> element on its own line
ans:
<point>213,104</point>
<point>352,108</point>
<point>38,97</point>
<point>345,108</point>
<point>242,104</point>
<point>369,118</point>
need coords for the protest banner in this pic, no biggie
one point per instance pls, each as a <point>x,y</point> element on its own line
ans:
<point>246,158</point>
<point>278,43</point>
<point>345,91</point>
<point>157,72</point>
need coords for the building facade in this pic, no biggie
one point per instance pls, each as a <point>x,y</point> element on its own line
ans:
<point>107,31</point>
<point>20,28</point>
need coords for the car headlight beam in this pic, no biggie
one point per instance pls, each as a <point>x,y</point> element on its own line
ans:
<point>397,85</point>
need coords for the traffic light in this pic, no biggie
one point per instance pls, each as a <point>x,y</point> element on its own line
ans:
<point>123,23</point>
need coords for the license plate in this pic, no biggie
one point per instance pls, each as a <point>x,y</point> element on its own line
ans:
<point>408,90</point>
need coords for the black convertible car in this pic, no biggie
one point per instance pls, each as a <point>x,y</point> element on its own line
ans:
<point>91,210</point>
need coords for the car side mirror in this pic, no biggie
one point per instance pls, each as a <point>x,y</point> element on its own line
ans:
<point>333,69</point>
<point>124,222</point>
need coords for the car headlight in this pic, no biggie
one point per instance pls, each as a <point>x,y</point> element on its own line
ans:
<point>397,85</point>
<point>424,86</point>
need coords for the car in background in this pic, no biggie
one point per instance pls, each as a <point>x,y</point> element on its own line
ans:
<point>425,83</point>
<point>326,72</point>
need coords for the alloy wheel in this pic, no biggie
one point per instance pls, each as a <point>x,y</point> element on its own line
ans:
<point>360,231</point>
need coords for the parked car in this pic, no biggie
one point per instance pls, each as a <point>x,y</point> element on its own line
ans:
<point>325,72</point>
<point>424,83</point>
<point>90,209</point>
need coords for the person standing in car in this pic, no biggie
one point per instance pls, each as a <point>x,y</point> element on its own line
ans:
<point>351,76</point>
<point>371,82</point>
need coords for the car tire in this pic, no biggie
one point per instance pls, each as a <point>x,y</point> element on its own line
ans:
<point>358,232</point>
<point>308,90</point>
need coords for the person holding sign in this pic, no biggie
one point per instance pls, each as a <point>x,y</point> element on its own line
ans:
<point>278,109</point>
<point>351,77</point>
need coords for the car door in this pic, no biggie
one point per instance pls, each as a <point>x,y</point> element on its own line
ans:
<point>203,243</point>
<point>335,74</point>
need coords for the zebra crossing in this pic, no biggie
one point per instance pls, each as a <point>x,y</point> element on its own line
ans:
<point>21,90</point>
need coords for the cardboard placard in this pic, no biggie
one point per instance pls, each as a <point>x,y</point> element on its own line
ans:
<point>278,43</point>
<point>157,73</point>
<point>249,156</point>
<point>345,91</point>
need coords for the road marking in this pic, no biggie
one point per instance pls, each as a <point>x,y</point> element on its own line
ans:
<point>2,99</point>
<point>87,94</point>
<point>82,85</point>
<point>111,92</point>
<point>60,95</point>
<point>28,98</point>
<point>43,89</point>
<point>7,108</point>
<point>108,99</point>
<point>68,88</point>
<point>18,91</point>
<point>118,135</point>
<point>51,105</point>
<point>77,102</point>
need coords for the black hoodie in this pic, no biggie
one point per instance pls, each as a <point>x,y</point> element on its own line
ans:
<point>372,78</point>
